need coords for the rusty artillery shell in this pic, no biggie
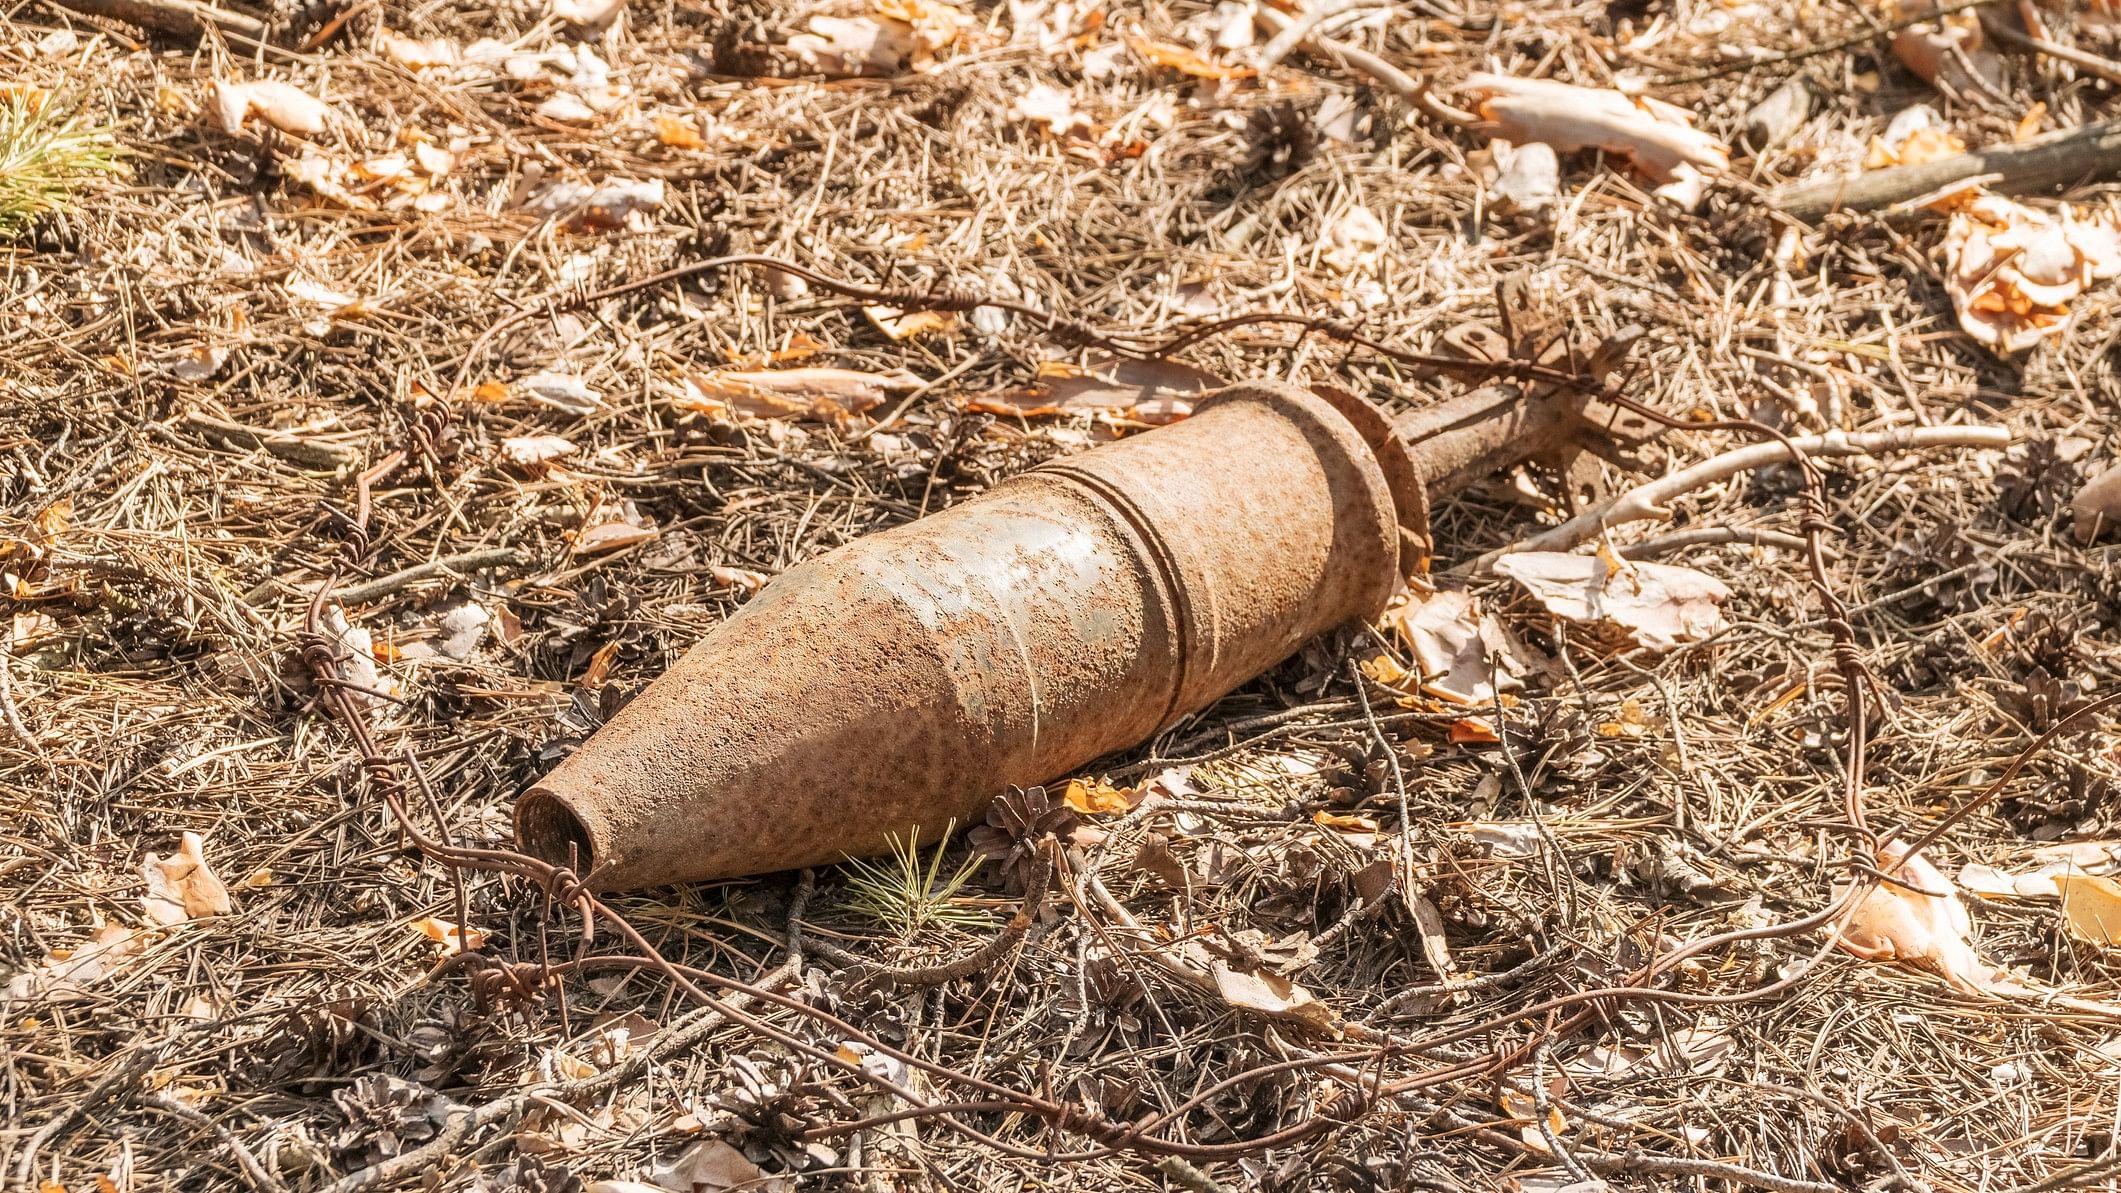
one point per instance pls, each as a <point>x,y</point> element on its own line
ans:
<point>902,680</point>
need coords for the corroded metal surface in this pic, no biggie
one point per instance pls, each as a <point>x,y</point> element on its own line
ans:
<point>904,679</point>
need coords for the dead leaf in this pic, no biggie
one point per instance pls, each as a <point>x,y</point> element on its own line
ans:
<point>1660,605</point>
<point>283,105</point>
<point>66,975</point>
<point>588,14</point>
<point>182,886</point>
<point>1925,927</point>
<point>1272,994</point>
<point>847,47</point>
<point>827,394</point>
<point>743,579</point>
<point>417,53</point>
<point>1155,391</point>
<point>1354,240</point>
<point>611,536</point>
<point>1053,107</point>
<point>528,451</point>
<point>1473,731</point>
<point>1940,53</point>
<point>677,133</point>
<point>1184,61</point>
<point>452,938</point>
<point>907,325</point>
<point>612,205</point>
<point>561,391</point>
<point>1464,653</point>
<point>1657,137</point>
<point>711,1166</point>
<point>2091,907</point>
<point>1519,838</point>
<point>1916,136</point>
<point>2012,271</point>
<point>1097,797</point>
<point>2096,508</point>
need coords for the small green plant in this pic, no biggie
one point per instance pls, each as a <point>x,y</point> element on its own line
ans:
<point>44,156</point>
<point>907,892</point>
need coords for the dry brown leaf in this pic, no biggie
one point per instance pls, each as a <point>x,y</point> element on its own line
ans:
<point>678,133</point>
<point>1097,797</point>
<point>1660,605</point>
<point>414,53</point>
<point>182,886</point>
<point>2091,907</point>
<point>1184,61</point>
<point>713,1166</point>
<point>1925,927</point>
<point>907,325</point>
<point>2012,271</point>
<point>936,24</point>
<point>1465,655</point>
<point>611,536</point>
<point>2097,506</point>
<point>847,47</point>
<point>739,578</point>
<point>529,451</point>
<point>452,938</point>
<point>1658,137</point>
<point>827,394</point>
<point>283,105</point>
<point>1941,53</point>
<point>589,14</point>
<point>1053,107</point>
<point>1150,391</point>
<point>1476,731</point>
<point>1272,994</point>
<point>66,974</point>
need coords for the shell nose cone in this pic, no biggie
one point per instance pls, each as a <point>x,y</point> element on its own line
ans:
<point>902,680</point>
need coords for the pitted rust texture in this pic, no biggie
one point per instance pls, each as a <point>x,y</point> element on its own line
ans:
<point>904,679</point>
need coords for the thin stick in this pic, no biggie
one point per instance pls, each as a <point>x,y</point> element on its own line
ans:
<point>1650,502</point>
<point>1363,62</point>
<point>182,17</point>
<point>2093,151</point>
<point>448,565</point>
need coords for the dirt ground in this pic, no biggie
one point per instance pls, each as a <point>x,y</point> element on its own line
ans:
<point>203,361</point>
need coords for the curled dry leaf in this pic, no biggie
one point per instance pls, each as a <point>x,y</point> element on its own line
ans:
<point>2051,862</point>
<point>848,47</point>
<point>182,886</point>
<point>528,451</point>
<point>1272,994</point>
<point>415,53</point>
<point>713,1166</point>
<point>1656,136</point>
<point>2012,271</point>
<point>611,205</point>
<point>1097,797</point>
<point>589,14</point>
<point>1053,107</point>
<point>1950,54</point>
<point>1660,605</point>
<point>66,974</point>
<point>1921,924</point>
<point>1465,655</point>
<point>452,938</point>
<point>1184,61</point>
<point>2091,907</point>
<point>611,536</point>
<point>561,391</point>
<point>283,105</point>
<point>827,394</point>
<point>1148,391</point>
<point>1915,136</point>
<point>2097,506</point>
<point>741,579</point>
<point>907,325</point>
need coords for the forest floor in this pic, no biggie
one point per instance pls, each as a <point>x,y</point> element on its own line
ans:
<point>252,361</point>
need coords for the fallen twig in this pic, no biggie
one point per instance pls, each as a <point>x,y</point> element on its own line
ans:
<point>2092,151</point>
<point>316,453</point>
<point>1363,62</point>
<point>185,18</point>
<point>448,565</point>
<point>1650,502</point>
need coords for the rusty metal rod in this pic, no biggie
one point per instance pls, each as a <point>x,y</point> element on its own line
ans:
<point>894,685</point>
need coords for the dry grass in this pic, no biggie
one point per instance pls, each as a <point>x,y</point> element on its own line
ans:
<point>162,569</point>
